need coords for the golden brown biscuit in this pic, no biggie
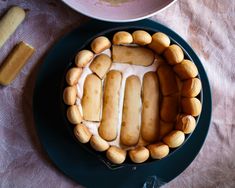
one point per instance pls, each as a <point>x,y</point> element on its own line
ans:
<point>185,123</point>
<point>191,106</point>
<point>169,108</point>
<point>167,79</point>
<point>122,37</point>
<point>9,23</point>
<point>98,144</point>
<point>174,139</point>
<point>158,150</point>
<point>82,133</point>
<point>186,70</point>
<point>73,75</point>
<point>91,99</point>
<point>74,115</point>
<point>14,62</point>
<point>108,127</point>
<point>116,155</point>
<point>133,55</point>
<point>130,128</point>
<point>159,43</point>
<point>174,54</point>
<point>83,58</point>
<point>141,37</point>
<point>191,87</point>
<point>100,44</point>
<point>70,95</point>
<point>165,128</point>
<point>139,154</point>
<point>150,107</point>
<point>101,65</point>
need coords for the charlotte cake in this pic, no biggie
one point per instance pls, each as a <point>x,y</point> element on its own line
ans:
<point>135,96</point>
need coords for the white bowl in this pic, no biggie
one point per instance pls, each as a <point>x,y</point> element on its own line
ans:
<point>124,11</point>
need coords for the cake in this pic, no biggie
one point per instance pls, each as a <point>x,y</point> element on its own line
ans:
<point>133,96</point>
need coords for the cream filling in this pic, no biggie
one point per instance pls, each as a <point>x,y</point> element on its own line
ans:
<point>127,70</point>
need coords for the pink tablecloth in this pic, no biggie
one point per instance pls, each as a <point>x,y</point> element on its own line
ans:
<point>209,26</point>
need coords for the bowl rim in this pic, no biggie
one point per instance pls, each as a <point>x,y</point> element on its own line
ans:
<point>154,12</point>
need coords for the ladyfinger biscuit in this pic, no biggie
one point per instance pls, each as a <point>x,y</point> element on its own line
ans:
<point>122,37</point>
<point>139,154</point>
<point>186,70</point>
<point>101,65</point>
<point>160,42</point>
<point>116,155</point>
<point>15,62</point>
<point>108,127</point>
<point>150,107</point>
<point>82,133</point>
<point>98,144</point>
<point>9,23</point>
<point>73,75</point>
<point>132,55</point>
<point>91,99</point>
<point>174,54</point>
<point>130,128</point>
<point>185,123</point>
<point>100,44</point>
<point>141,37</point>
<point>169,108</point>
<point>70,95</point>
<point>165,128</point>
<point>174,139</point>
<point>83,58</point>
<point>74,115</point>
<point>191,87</point>
<point>191,106</point>
<point>158,150</point>
<point>167,79</point>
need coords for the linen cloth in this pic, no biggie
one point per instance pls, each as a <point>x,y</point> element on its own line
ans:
<point>208,26</point>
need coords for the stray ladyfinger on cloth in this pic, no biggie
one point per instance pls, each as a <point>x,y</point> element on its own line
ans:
<point>14,62</point>
<point>9,23</point>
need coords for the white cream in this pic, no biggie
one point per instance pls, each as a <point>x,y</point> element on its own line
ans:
<point>127,70</point>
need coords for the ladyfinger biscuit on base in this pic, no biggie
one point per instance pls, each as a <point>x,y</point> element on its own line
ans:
<point>169,108</point>
<point>98,144</point>
<point>185,123</point>
<point>91,100</point>
<point>150,107</point>
<point>73,75</point>
<point>174,139</point>
<point>165,128</point>
<point>160,42</point>
<point>131,112</point>
<point>101,65</point>
<point>133,55</point>
<point>82,133</point>
<point>167,79</point>
<point>116,155</point>
<point>100,44</point>
<point>139,154</point>
<point>108,126</point>
<point>158,150</point>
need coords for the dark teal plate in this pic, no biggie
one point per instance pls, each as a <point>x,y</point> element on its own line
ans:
<point>71,158</point>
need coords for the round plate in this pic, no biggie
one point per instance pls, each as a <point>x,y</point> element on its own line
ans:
<point>71,158</point>
<point>119,11</point>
